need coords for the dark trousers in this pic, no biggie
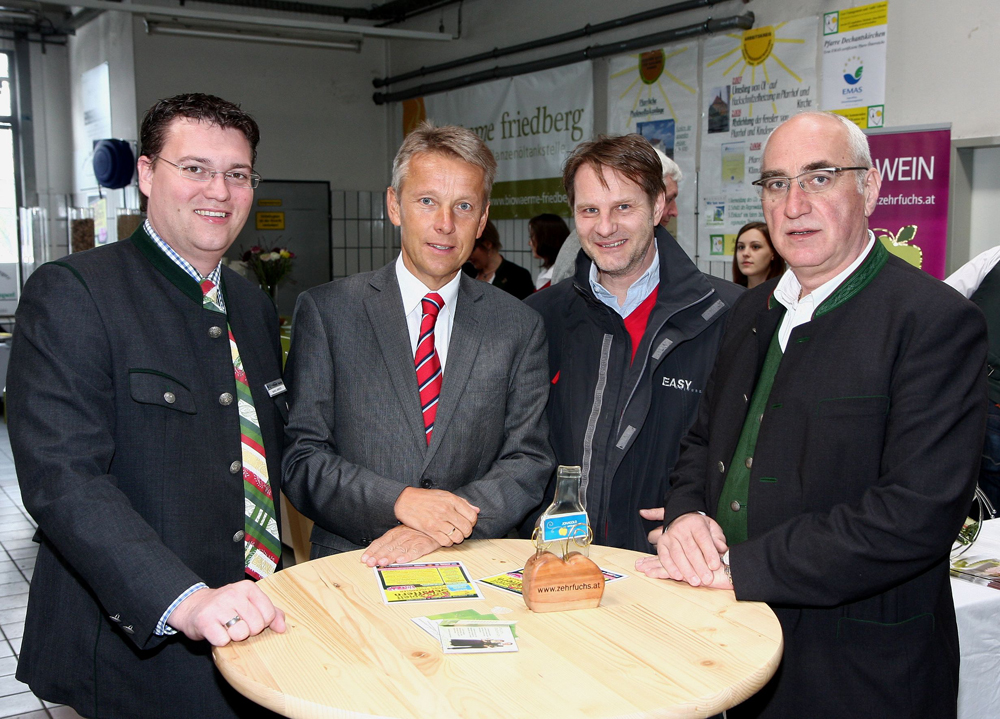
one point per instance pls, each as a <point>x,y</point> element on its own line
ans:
<point>989,469</point>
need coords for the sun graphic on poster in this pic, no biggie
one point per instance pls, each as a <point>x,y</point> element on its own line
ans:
<point>650,70</point>
<point>757,49</point>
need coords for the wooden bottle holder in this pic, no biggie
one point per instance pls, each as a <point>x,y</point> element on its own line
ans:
<point>552,584</point>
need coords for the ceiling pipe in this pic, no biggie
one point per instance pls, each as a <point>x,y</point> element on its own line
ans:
<point>585,31</point>
<point>736,22</point>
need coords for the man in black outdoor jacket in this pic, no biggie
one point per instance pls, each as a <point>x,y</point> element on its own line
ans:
<point>632,339</point>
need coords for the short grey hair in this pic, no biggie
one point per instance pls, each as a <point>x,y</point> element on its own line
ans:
<point>670,168</point>
<point>857,142</point>
<point>450,140</point>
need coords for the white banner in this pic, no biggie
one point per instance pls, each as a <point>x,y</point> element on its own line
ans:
<point>752,82</point>
<point>655,93</point>
<point>854,43</point>
<point>530,122</point>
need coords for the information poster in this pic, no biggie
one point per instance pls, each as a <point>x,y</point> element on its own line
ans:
<point>655,94</point>
<point>854,43</point>
<point>911,218</point>
<point>751,82</point>
<point>530,122</point>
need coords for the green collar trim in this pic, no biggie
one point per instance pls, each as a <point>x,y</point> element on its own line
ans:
<point>858,280</point>
<point>169,269</point>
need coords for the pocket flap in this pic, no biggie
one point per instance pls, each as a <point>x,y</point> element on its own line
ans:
<point>149,386</point>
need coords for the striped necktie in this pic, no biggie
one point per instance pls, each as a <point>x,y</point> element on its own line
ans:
<point>261,545</point>
<point>428,365</point>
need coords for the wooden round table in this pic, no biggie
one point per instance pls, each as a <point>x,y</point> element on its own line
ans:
<point>653,647</point>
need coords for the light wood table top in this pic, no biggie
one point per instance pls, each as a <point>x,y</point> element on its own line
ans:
<point>653,647</point>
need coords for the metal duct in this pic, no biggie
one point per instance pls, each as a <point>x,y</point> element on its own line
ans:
<point>585,31</point>
<point>735,22</point>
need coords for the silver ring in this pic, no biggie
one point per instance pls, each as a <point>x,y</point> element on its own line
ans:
<point>233,621</point>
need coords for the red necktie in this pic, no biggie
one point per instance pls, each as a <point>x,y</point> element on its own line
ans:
<point>427,362</point>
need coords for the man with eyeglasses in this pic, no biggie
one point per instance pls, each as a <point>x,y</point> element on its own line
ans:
<point>146,425</point>
<point>836,449</point>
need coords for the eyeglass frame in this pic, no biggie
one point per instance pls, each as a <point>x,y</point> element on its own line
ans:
<point>759,184</point>
<point>254,178</point>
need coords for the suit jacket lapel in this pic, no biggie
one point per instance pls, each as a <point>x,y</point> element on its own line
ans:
<point>466,336</point>
<point>385,311</point>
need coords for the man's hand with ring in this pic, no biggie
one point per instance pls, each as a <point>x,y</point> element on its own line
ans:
<point>397,546</point>
<point>437,514</point>
<point>230,613</point>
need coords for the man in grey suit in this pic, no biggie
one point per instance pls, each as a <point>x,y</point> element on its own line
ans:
<point>417,394</point>
<point>144,432</point>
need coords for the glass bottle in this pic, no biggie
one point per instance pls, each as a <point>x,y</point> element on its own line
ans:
<point>565,527</point>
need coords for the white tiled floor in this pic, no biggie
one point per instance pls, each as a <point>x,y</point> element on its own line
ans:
<point>17,562</point>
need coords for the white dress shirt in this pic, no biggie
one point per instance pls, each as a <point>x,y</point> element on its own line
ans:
<point>413,291</point>
<point>800,311</point>
<point>967,278</point>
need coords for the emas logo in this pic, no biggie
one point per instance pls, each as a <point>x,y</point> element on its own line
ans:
<point>853,69</point>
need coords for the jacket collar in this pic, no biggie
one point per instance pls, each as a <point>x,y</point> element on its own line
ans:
<point>169,269</point>
<point>687,284</point>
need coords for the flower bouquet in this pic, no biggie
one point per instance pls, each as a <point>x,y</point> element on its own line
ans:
<point>269,266</point>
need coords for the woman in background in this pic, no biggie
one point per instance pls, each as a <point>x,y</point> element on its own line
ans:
<point>755,259</point>
<point>546,234</point>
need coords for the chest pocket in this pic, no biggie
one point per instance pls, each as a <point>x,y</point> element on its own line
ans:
<point>148,386</point>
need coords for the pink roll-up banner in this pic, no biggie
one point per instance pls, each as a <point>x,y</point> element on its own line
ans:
<point>911,219</point>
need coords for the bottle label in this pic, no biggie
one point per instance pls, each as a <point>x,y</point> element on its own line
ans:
<point>564,526</point>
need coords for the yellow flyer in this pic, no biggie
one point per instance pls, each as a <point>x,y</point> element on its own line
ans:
<point>425,582</point>
<point>511,581</point>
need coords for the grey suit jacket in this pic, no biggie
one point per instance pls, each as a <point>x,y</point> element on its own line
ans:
<point>355,438</point>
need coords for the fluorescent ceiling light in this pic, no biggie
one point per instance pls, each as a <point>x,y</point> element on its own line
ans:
<point>271,22</point>
<point>158,29</point>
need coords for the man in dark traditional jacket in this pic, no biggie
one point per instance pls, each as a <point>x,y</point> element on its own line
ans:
<point>836,448</point>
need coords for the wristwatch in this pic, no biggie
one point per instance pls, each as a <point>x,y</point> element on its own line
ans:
<point>725,566</point>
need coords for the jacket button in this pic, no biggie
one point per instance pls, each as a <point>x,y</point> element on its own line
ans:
<point>735,505</point>
<point>426,483</point>
<point>365,540</point>
<point>749,462</point>
<point>128,629</point>
<point>238,537</point>
<point>722,468</point>
<point>117,619</point>
<point>225,399</point>
<point>169,397</point>
<point>235,467</point>
<point>214,332</point>
<point>745,398</point>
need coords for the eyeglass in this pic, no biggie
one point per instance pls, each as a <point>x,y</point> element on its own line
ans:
<point>199,173</point>
<point>814,182</point>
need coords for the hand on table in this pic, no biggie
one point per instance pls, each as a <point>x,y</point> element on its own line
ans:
<point>204,614</point>
<point>689,550</point>
<point>655,515</point>
<point>444,517</point>
<point>397,546</point>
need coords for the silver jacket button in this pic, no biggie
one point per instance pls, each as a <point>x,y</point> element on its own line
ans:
<point>225,399</point>
<point>235,467</point>
<point>238,537</point>
<point>735,505</point>
<point>722,468</point>
<point>214,332</point>
<point>749,462</point>
<point>169,397</point>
